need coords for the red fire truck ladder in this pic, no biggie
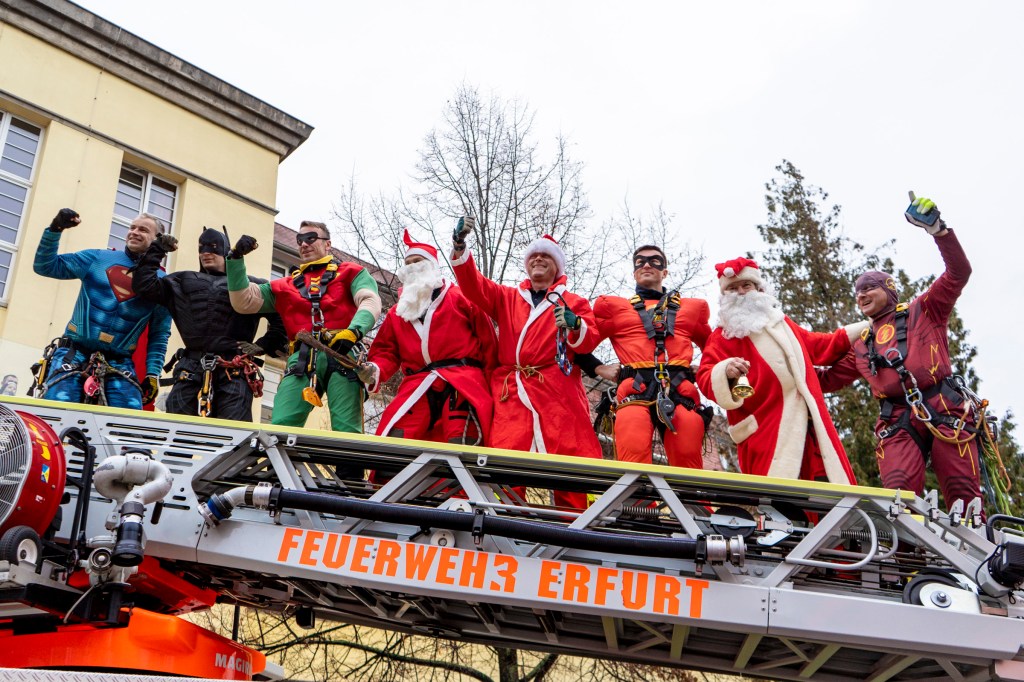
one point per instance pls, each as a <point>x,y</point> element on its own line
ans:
<point>701,570</point>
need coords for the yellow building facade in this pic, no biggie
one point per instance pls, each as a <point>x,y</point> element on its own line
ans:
<point>97,119</point>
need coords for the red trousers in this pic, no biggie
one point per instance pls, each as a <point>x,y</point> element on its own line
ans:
<point>901,461</point>
<point>634,430</point>
<point>441,415</point>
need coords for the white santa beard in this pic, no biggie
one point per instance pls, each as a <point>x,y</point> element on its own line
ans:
<point>418,283</point>
<point>742,315</point>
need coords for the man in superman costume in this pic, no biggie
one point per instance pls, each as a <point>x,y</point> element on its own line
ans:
<point>108,318</point>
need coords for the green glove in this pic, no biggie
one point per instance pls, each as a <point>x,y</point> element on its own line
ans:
<point>465,226</point>
<point>921,212</point>
<point>567,319</point>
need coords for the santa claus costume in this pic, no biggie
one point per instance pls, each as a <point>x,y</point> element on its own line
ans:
<point>537,407</point>
<point>444,345</point>
<point>783,429</point>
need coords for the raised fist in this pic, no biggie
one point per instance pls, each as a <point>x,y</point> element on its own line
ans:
<point>165,243</point>
<point>245,245</point>
<point>65,218</point>
<point>466,225</point>
<point>923,213</point>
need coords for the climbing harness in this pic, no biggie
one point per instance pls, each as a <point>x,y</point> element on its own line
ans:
<point>916,399</point>
<point>94,373</point>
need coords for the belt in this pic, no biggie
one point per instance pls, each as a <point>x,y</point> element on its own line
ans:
<point>441,364</point>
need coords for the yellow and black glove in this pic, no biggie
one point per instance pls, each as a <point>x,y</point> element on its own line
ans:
<point>342,340</point>
<point>150,388</point>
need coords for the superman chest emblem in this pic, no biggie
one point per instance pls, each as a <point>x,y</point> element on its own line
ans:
<point>120,282</point>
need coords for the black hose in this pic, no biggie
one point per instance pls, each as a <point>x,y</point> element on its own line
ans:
<point>481,524</point>
<point>990,524</point>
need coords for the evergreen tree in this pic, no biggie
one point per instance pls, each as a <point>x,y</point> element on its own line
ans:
<point>814,266</point>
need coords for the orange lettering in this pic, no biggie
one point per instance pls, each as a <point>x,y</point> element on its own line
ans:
<point>387,551</point>
<point>548,575</point>
<point>312,544</point>
<point>697,588</point>
<point>474,566</point>
<point>336,550</point>
<point>666,594</point>
<point>418,559</point>
<point>289,542</point>
<point>446,564</point>
<point>361,553</point>
<point>605,584</point>
<point>508,572</point>
<point>634,596</point>
<point>576,578</point>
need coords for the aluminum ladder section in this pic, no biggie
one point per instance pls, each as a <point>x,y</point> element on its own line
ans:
<point>787,611</point>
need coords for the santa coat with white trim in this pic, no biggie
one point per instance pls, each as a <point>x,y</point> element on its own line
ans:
<point>451,329</point>
<point>537,408</point>
<point>770,428</point>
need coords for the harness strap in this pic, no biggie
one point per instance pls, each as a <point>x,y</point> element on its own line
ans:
<point>314,291</point>
<point>678,374</point>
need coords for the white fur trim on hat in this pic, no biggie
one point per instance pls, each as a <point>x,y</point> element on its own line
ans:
<point>747,274</point>
<point>546,245</point>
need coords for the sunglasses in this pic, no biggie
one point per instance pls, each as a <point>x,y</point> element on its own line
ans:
<point>656,262</point>
<point>308,238</point>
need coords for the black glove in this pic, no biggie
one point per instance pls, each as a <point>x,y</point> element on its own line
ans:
<point>244,246</point>
<point>250,348</point>
<point>343,340</point>
<point>65,218</point>
<point>165,243</point>
<point>150,388</point>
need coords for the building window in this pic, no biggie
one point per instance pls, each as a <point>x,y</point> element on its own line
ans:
<point>140,192</point>
<point>278,270</point>
<point>19,142</point>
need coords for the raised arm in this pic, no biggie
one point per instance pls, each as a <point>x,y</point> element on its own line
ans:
<point>69,266</point>
<point>246,297</point>
<point>146,280</point>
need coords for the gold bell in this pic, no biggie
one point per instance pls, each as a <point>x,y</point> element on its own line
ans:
<point>742,388</point>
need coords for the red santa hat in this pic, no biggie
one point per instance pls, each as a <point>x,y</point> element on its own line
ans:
<point>546,244</point>
<point>737,270</point>
<point>419,249</point>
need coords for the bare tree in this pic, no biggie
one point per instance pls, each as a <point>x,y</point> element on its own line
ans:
<point>631,229</point>
<point>482,160</point>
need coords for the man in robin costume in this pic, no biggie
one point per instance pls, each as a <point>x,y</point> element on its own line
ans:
<point>335,302</point>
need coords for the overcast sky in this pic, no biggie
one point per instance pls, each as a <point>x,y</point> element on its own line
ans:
<point>687,104</point>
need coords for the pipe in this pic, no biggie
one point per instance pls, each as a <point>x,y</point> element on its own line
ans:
<point>133,479</point>
<point>133,476</point>
<point>714,549</point>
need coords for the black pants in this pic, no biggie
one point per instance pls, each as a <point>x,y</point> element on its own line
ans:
<point>232,397</point>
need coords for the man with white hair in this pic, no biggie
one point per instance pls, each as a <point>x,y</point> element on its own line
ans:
<point>784,428</point>
<point>539,401</point>
<point>444,345</point>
